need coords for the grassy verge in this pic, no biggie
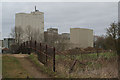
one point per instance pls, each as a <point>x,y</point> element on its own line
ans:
<point>11,68</point>
<point>94,56</point>
<point>86,62</point>
<point>43,68</point>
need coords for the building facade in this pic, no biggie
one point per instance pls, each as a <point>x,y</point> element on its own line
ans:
<point>51,35</point>
<point>52,30</point>
<point>34,22</point>
<point>65,36</point>
<point>80,37</point>
<point>1,45</point>
<point>7,42</point>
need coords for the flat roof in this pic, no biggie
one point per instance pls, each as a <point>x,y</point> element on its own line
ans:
<point>82,28</point>
<point>31,12</point>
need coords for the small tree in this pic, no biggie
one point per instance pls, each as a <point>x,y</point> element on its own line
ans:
<point>114,32</point>
<point>19,34</point>
<point>12,34</point>
<point>118,49</point>
<point>100,42</point>
<point>108,42</point>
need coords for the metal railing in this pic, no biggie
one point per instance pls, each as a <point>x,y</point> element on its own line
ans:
<point>45,53</point>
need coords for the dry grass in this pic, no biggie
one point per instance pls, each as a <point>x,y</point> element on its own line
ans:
<point>103,67</point>
<point>11,68</point>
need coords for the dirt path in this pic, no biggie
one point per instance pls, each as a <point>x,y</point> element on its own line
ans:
<point>29,66</point>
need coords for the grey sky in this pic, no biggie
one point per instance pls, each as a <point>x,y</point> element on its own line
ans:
<point>92,15</point>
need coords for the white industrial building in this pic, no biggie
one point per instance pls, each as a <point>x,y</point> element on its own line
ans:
<point>34,19</point>
<point>1,42</point>
<point>80,37</point>
<point>1,46</point>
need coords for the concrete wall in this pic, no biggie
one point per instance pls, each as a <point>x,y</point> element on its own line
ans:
<point>80,37</point>
<point>1,43</point>
<point>7,42</point>
<point>0,46</point>
<point>33,19</point>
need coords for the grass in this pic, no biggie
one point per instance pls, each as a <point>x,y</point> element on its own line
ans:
<point>94,56</point>
<point>62,69</point>
<point>90,61</point>
<point>44,69</point>
<point>11,68</point>
<point>1,64</point>
<point>86,57</point>
<point>96,65</point>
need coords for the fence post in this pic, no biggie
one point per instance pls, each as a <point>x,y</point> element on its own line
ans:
<point>35,46</point>
<point>39,54</point>
<point>30,46</point>
<point>97,53</point>
<point>23,47</point>
<point>29,51</point>
<point>26,46</point>
<point>54,59</point>
<point>40,46</point>
<point>30,43</point>
<point>46,54</point>
<point>27,43</point>
<point>71,68</point>
<point>81,57</point>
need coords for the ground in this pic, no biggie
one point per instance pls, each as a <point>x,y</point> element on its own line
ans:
<point>19,66</point>
<point>88,65</point>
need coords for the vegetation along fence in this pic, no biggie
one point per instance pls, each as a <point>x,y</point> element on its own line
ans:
<point>45,53</point>
<point>67,61</point>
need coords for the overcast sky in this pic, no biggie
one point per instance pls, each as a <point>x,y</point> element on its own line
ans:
<point>97,16</point>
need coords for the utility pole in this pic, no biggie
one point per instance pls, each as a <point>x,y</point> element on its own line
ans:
<point>35,8</point>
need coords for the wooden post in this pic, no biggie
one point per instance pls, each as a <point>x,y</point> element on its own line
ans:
<point>81,57</point>
<point>29,50</point>
<point>35,46</point>
<point>39,54</point>
<point>97,53</point>
<point>27,47</point>
<point>30,44</point>
<point>23,47</point>
<point>40,46</point>
<point>46,54</point>
<point>71,69</point>
<point>54,59</point>
<point>27,43</point>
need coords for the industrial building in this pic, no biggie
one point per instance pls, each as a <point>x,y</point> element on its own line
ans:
<point>66,36</point>
<point>81,37</point>
<point>51,35</point>
<point>52,30</point>
<point>1,45</point>
<point>7,42</point>
<point>35,20</point>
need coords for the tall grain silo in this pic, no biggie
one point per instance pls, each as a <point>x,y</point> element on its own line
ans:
<point>81,37</point>
<point>34,20</point>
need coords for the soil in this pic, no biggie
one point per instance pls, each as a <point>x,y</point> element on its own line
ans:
<point>29,66</point>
